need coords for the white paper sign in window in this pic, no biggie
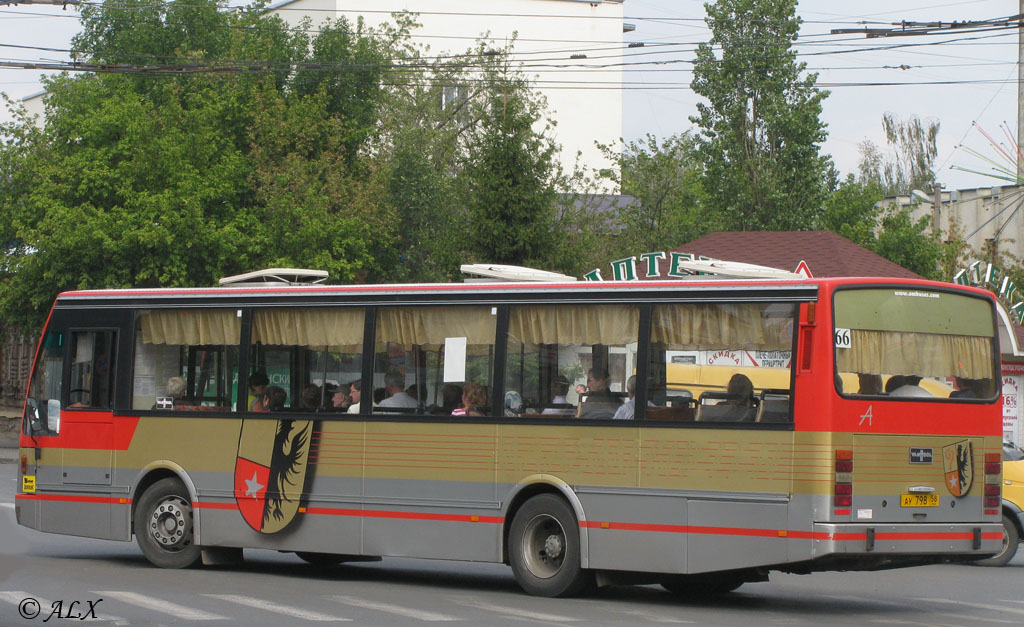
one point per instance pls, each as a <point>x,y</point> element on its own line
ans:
<point>454,359</point>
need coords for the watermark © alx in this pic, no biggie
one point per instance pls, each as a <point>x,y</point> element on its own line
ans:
<point>30,609</point>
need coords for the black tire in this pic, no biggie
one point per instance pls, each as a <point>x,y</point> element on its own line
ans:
<point>544,549</point>
<point>163,525</point>
<point>1010,540</point>
<point>320,560</point>
<point>700,586</point>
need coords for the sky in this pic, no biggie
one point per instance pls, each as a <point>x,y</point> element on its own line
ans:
<point>978,72</point>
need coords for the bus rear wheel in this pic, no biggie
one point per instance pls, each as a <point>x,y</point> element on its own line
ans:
<point>163,525</point>
<point>544,549</point>
<point>1010,540</point>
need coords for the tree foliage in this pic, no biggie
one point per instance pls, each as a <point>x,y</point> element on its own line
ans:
<point>664,180</point>
<point>911,161</point>
<point>339,148</point>
<point>760,127</point>
<point>166,180</point>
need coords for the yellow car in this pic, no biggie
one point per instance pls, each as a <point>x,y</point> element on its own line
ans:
<point>1013,505</point>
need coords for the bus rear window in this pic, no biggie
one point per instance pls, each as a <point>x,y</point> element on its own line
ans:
<point>913,343</point>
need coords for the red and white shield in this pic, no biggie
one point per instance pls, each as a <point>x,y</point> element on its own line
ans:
<point>251,480</point>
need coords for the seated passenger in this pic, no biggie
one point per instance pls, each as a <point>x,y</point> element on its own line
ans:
<point>310,399</point>
<point>176,390</point>
<point>474,401</point>
<point>600,403</point>
<point>740,392</point>
<point>258,382</point>
<point>625,411</point>
<point>869,384</point>
<point>394,383</point>
<point>910,388</point>
<point>559,388</point>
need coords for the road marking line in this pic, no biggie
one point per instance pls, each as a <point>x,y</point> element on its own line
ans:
<point>46,607</point>
<point>7,505</point>
<point>158,605</point>
<point>392,609</point>
<point>982,606</point>
<point>277,608</point>
<point>512,611</point>
<point>652,617</point>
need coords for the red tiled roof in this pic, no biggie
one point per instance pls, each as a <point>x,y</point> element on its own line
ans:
<point>826,254</point>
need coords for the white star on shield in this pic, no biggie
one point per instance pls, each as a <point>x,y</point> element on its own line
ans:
<point>252,486</point>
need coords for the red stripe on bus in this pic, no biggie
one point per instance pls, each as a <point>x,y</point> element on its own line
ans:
<point>209,505</point>
<point>370,513</point>
<point>73,498</point>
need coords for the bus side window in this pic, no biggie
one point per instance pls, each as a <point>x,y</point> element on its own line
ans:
<point>571,360</point>
<point>92,369</point>
<point>197,347</point>
<point>735,358</point>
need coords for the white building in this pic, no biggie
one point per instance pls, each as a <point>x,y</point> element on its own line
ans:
<point>584,98</point>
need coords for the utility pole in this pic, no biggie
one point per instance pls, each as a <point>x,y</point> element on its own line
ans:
<point>1020,88</point>
<point>937,204</point>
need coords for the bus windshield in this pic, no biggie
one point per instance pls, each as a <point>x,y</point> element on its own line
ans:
<point>913,343</point>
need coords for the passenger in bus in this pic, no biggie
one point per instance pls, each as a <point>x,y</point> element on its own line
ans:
<point>600,403</point>
<point>339,399</point>
<point>176,390</point>
<point>451,398</point>
<point>625,411</point>
<point>474,400</point>
<point>869,384</point>
<point>310,399</point>
<point>258,382</point>
<point>274,398</point>
<point>894,382</point>
<point>355,390</point>
<point>910,388</point>
<point>559,389</point>
<point>417,392</point>
<point>740,392</point>
<point>394,382</point>
<point>966,388</point>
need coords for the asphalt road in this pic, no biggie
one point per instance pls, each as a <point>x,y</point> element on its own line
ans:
<point>38,570</point>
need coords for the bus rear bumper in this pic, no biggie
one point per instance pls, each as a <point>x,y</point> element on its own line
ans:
<point>961,539</point>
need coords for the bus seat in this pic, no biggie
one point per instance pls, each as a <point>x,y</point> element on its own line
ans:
<point>774,410</point>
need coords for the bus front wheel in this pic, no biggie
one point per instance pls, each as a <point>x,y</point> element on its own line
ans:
<point>544,549</point>
<point>163,525</point>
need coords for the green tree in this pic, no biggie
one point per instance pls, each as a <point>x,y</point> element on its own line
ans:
<point>143,179</point>
<point>852,211</point>
<point>760,127</point>
<point>509,173</point>
<point>665,179</point>
<point>911,164</point>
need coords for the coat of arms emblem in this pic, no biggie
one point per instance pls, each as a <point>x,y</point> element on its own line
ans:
<point>270,471</point>
<point>958,465</point>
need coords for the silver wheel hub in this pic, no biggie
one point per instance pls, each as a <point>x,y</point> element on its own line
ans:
<point>544,546</point>
<point>171,524</point>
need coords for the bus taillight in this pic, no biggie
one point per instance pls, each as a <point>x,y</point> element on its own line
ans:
<point>993,470</point>
<point>843,490</point>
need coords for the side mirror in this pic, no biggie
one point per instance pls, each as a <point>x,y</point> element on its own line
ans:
<point>53,415</point>
<point>33,421</point>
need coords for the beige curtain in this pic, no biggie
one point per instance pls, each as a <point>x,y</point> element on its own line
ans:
<point>340,328</point>
<point>574,324</point>
<point>731,326</point>
<point>924,354</point>
<point>424,326</point>
<point>191,327</point>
